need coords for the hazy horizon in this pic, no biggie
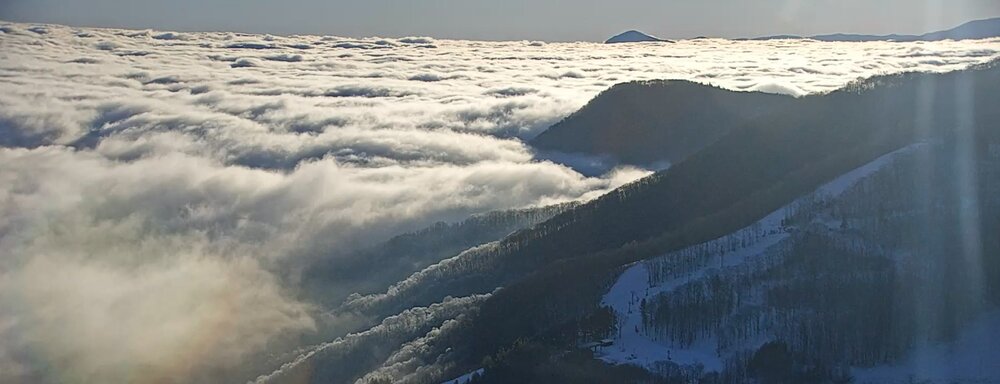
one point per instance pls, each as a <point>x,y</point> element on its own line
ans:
<point>515,20</point>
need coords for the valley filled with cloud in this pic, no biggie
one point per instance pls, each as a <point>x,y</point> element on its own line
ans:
<point>161,193</point>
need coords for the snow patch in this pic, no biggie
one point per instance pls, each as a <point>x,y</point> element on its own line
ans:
<point>465,378</point>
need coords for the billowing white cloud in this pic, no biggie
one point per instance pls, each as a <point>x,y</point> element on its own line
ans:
<point>174,320</point>
<point>159,191</point>
<point>160,249</point>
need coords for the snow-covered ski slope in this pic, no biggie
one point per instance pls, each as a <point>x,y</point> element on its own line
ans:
<point>632,345</point>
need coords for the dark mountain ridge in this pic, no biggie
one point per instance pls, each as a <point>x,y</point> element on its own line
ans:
<point>554,273</point>
<point>977,29</point>
<point>757,168</point>
<point>645,122</point>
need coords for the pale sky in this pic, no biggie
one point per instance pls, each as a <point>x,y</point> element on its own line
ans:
<point>550,20</point>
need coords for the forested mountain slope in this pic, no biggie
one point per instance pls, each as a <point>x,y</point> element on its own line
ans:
<point>772,161</point>
<point>883,263</point>
<point>646,122</point>
<point>554,274</point>
<point>748,173</point>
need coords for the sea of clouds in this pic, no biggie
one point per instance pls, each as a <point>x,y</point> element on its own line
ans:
<point>161,191</point>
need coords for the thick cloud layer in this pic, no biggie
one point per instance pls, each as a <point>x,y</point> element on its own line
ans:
<point>159,191</point>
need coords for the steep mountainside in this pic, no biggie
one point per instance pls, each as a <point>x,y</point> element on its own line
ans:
<point>752,171</point>
<point>856,275</point>
<point>656,121</point>
<point>554,274</point>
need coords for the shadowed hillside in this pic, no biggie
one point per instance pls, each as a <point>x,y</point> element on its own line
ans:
<point>654,121</point>
<point>759,167</point>
<point>554,274</point>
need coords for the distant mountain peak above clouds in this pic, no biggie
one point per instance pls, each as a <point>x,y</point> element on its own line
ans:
<point>973,30</point>
<point>634,36</point>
